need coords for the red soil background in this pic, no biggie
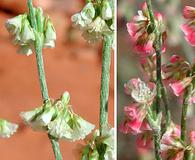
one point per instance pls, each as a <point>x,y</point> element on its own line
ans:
<point>73,66</point>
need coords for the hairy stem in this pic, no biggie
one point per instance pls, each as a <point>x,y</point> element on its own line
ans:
<point>157,47</point>
<point>105,79</point>
<point>41,72</point>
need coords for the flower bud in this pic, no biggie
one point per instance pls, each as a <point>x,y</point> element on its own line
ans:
<point>27,34</point>
<point>40,19</point>
<point>88,12</point>
<point>106,10</point>
<point>179,87</point>
<point>50,34</point>
<point>65,98</point>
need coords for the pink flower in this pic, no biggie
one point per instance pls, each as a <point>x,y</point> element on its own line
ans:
<point>141,35</point>
<point>135,120</point>
<point>189,12</point>
<point>176,70</point>
<point>134,127</point>
<point>175,59</point>
<point>179,87</point>
<point>192,138</point>
<point>131,111</point>
<point>189,27</point>
<point>131,127</point>
<point>192,100</point>
<point>140,91</point>
<point>171,146</point>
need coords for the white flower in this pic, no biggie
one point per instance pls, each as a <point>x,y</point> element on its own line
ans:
<point>95,30</point>
<point>59,128</point>
<point>13,25</point>
<point>98,26</point>
<point>29,116</point>
<point>25,49</point>
<point>26,35</point>
<point>81,128</point>
<point>78,22</point>
<point>40,117</point>
<point>140,91</point>
<point>106,10</point>
<point>50,35</point>
<point>44,119</point>
<point>88,12</point>
<point>69,126</point>
<point>91,149</point>
<point>85,17</point>
<point>7,128</point>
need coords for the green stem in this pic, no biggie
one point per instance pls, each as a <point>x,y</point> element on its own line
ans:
<point>41,72</point>
<point>184,116</point>
<point>105,79</point>
<point>157,47</point>
<point>166,104</point>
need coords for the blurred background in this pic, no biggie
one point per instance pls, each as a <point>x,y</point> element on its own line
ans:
<point>73,65</point>
<point>128,63</point>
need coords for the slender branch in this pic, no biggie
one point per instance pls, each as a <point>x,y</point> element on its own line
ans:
<point>41,72</point>
<point>184,117</point>
<point>105,79</point>
<point>157,47</point>
<point>166,104</point>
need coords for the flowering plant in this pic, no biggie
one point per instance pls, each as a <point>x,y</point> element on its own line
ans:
<point>32,32</point>
<point>96,22</point>
<point>145,117</point>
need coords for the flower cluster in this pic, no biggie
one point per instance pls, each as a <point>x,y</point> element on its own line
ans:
<point>7,128</point>
<point>179,74</point>
<point>58,120</point>
<point>189,27</point>
<point>136,113</point>
<point>24,35</point>
<point>95,20</point>
<point>142,35</point>
<point>93,149</point>
<point>172,147</point>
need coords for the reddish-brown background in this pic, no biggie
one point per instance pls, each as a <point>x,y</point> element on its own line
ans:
<point>73,66</point>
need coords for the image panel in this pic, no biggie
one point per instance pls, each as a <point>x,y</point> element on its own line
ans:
<point>155,80</point>
<point>57,79</point>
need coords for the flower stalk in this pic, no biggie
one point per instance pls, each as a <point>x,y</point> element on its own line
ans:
<point>41,72</point>
<point>184,116</point>
<point>104,92</point>
<point>105,79</point>
<point>158,48</point>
